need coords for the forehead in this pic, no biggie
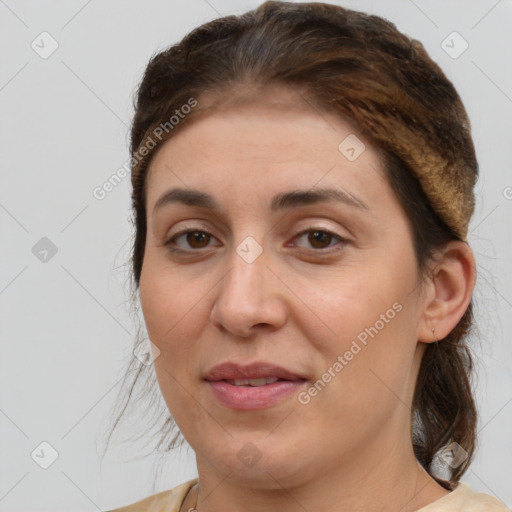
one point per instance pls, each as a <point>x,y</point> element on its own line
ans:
<point>280,107</point>
<point>265,139</point>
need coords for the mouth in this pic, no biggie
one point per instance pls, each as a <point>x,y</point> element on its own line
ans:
<point>249,387</point>
<point>250,374</point>
<point>253,382</point>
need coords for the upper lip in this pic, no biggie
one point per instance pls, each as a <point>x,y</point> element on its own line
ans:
<point>232,371</point>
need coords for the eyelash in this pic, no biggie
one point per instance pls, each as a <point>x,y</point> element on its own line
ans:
<point>169,243</point>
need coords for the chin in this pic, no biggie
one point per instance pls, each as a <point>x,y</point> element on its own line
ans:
<point>261,464</point>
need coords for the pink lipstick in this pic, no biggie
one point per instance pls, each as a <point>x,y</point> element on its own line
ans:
<point>255,386</point>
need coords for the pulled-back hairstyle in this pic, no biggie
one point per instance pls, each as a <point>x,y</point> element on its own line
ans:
<point>363,69</point>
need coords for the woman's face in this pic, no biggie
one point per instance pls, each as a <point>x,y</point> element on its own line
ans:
<point>298,256</point>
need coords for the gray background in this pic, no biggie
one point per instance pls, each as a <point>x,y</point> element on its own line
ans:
<point>65,326</point>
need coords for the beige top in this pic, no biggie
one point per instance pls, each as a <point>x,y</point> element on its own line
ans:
<point>462,499</point>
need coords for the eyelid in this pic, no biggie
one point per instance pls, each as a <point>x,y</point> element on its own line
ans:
<point>186,226</point>
<point>319,227</point>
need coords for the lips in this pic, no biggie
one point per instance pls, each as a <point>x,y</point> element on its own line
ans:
<point>250,387</point>
<point>232,371</point>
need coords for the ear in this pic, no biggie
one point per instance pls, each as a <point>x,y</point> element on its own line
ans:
<point>448,291</point>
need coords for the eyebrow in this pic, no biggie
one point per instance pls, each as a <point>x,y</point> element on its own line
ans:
<point>283,201</point>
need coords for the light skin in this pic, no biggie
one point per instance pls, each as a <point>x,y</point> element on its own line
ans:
<point>300,305</point>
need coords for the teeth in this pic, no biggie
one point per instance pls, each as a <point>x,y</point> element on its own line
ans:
<point>258,382</point>
<point>253,382</point>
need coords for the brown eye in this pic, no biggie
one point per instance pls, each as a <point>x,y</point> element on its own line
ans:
<point>194,239</point>
<point>197,239</point>
<point>320,238</point>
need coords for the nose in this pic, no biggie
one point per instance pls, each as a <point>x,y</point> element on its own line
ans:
<point>249,298</point>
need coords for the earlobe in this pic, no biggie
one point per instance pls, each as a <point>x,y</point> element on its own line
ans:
<point>452,285</point>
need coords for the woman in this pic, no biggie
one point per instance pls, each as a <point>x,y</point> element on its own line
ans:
<point>302,187</point>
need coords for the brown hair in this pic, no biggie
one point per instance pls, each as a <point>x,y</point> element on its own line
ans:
<point>362,68</point>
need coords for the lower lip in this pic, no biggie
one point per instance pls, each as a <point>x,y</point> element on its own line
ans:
<point>253,397</point>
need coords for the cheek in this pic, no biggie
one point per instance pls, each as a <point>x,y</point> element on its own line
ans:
<point>368,320</point>
<point>157,305</point>
<point>170,309</point>
<point>170,303</point>
<point>360,302</point>
<point>175,309</point>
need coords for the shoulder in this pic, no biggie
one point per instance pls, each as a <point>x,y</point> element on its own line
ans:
<point>464,499</point>
<point>165,501</point>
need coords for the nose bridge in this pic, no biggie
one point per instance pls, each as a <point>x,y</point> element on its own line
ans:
<point>248,260</point>
<point>246,280</point>
<point>247,296</point>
